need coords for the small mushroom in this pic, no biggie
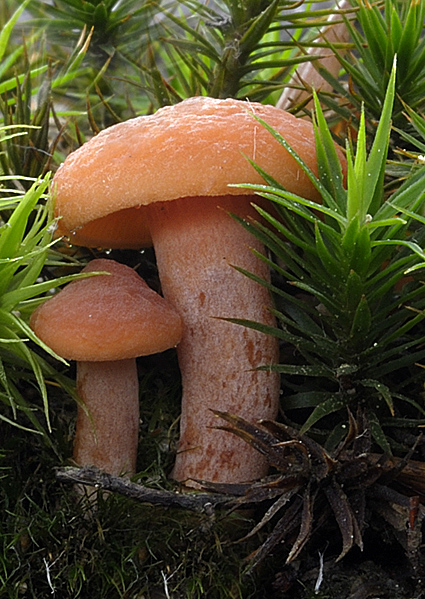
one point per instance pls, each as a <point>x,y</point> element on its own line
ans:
<point>164,179</point>
<point>104,322</point>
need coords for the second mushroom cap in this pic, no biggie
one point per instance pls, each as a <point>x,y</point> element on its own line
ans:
<point>113,316</point>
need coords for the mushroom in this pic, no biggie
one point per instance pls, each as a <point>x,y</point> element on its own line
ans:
<point>104,322</point>
<point>167,177</point>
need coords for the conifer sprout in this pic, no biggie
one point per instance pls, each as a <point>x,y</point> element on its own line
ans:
<point>164,179</point>
<point>105,322</point>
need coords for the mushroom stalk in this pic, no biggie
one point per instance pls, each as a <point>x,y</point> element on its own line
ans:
<point>108,417</point>
<point>196,243</point>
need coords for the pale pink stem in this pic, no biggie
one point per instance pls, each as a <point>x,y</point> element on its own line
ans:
<point>107,426</point>
<point>196,243</point>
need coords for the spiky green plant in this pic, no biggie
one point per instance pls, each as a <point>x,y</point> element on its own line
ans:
<point>379,32</point>
<point>22,256</point>
<point>351,322</point>
<point>112,41</point>
<point>26,220</point>
<point>38,97</point>
<point>25,250</point>
<point>114,25</point>
<point>27,153</point>
<point>229,49</point>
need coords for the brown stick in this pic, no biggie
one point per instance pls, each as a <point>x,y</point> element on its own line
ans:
<point>203,503</point>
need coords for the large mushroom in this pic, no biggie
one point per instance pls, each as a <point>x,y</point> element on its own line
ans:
<point>165,179</point>
<point>104,322</point>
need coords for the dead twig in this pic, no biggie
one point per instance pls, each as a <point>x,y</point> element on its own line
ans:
<point>195,502</point>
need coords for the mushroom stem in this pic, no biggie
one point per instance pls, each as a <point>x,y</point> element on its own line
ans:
<point>108,423</point>
<point>196,243</point>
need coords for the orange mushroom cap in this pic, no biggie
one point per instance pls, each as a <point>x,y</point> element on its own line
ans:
<point>107,317</point>
<point>195,148</point>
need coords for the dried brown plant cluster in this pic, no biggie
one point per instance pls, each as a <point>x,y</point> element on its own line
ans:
<point>351,484</point>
